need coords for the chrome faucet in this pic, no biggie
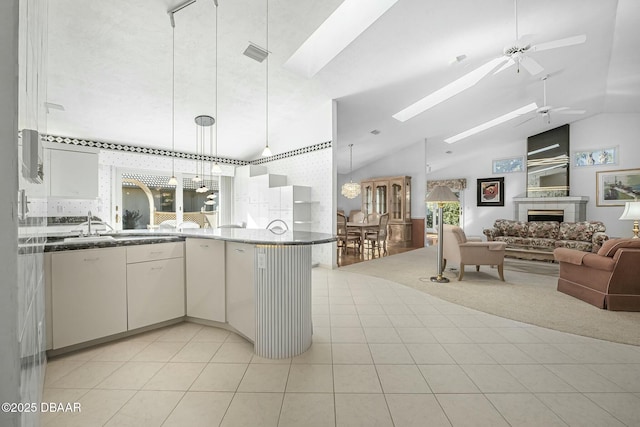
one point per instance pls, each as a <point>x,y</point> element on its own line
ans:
<point>89,223</point>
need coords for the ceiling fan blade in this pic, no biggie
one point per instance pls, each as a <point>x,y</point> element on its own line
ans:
<point>569,41</point>
<point>506,65</point>
<point>531,65</point>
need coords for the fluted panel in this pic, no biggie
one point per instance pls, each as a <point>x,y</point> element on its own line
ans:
<point>283,300</point>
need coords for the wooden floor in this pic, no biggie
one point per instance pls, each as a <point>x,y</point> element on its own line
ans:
<point>352,257</point>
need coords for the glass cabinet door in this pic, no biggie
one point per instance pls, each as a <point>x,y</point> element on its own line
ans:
<point>367,197</point>
<point>381,197</point>
<point>395,202</point>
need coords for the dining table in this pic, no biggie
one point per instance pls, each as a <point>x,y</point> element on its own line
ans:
<point>362,228</point>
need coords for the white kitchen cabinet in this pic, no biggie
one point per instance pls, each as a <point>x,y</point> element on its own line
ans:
<point>205,279</point>
<point>292,204</point>
<point>240,288</point>
<point>155,283</point>
<point>72,174</point>
<point>88,295</point>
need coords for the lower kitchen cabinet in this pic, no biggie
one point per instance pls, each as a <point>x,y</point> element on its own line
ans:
<point>155,289</point>
<point>240,288</point>
<point>88,295</point>
<point>206,279</point>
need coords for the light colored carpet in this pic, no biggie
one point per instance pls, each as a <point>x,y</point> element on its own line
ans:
<point>528,294</point>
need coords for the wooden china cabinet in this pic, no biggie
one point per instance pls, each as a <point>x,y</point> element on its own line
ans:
<point>390,195</point>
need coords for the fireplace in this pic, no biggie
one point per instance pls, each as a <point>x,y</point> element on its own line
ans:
<point>574,208</point>
<point>545,215</point>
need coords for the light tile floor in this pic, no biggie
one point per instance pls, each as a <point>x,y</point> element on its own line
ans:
<point>383,355</point>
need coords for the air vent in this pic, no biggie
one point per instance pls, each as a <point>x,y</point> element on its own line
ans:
<point>255,52</point>
<point>375,132</point>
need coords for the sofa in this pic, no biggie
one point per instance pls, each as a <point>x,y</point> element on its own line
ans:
<point>538,239</point>
<point>608,279</point>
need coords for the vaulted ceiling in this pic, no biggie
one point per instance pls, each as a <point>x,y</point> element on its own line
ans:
<point>110,67</point>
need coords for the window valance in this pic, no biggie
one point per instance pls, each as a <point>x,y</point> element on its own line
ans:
<point>455,184</point>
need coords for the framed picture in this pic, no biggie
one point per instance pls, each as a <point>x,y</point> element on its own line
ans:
<point>602,156</point>
<point>491,191</point>
<point>509,165</point>
<point>613,188</point>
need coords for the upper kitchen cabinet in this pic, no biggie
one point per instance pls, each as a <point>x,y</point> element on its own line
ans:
<point>72,173</point>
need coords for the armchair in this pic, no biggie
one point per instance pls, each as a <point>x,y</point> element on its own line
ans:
<point>608,279</point>
<point>459,250</point>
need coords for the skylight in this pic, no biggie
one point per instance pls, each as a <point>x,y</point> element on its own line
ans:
<point>446,92</point>
<point>344,25</point>
<point>491,123</point>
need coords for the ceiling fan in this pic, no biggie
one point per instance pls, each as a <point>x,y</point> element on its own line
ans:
<point>546,109</point>
<point>517,53</point>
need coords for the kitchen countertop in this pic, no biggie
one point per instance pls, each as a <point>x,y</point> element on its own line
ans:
<point>239,235</point>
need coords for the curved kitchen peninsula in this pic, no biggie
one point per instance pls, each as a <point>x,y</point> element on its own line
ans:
<point>266,284</point>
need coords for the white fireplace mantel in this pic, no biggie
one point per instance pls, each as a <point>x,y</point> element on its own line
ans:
<point>574,207</point>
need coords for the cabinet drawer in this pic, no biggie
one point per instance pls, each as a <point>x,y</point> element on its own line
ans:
<point>154,252</point>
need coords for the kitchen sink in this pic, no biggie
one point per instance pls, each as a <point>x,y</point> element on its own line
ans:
<point>89,239</point>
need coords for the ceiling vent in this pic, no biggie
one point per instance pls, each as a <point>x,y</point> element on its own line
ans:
<point>255,52</point>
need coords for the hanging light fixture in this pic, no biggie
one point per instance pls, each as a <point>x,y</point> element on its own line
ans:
<point>350,189</point>
<point>173,180</point>
<point>215,167</point>
<point>202,122</point>
<point>267,151</point>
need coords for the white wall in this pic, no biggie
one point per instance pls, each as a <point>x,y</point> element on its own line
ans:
<point>603,131</point>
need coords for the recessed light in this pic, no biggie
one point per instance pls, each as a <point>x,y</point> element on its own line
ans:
<point>375,132</point>
<point>457,59</point>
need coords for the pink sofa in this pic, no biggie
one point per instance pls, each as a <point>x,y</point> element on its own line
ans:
<point>608,279</point>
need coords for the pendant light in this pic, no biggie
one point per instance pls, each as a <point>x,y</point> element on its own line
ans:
<point>215,167</point>
<point>202,122</point>
<point>267,151</point>
<point>173,180</point>
<point>350,189</point>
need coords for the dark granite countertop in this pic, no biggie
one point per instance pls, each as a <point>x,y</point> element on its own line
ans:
<point>145,237</point>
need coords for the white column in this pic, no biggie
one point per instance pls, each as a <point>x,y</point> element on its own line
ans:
<point>283,300</point>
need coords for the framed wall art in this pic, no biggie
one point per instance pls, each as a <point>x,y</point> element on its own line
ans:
<point>508,165</point>
<point>614,188</point>
<point>490,191</point>
<point>602,156</point>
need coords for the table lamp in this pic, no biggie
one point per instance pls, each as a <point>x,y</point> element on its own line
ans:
<point>440,194</point>
<point>632,213</point>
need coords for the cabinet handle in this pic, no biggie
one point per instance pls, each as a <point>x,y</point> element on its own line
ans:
<point>92,259</point>
<point>156,268</point>
<point>240,250</point>
<point>204,246</point>
<point>155,253</point>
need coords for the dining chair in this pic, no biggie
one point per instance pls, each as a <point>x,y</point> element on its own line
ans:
<point>379,236</point>
<point>344,238</point>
